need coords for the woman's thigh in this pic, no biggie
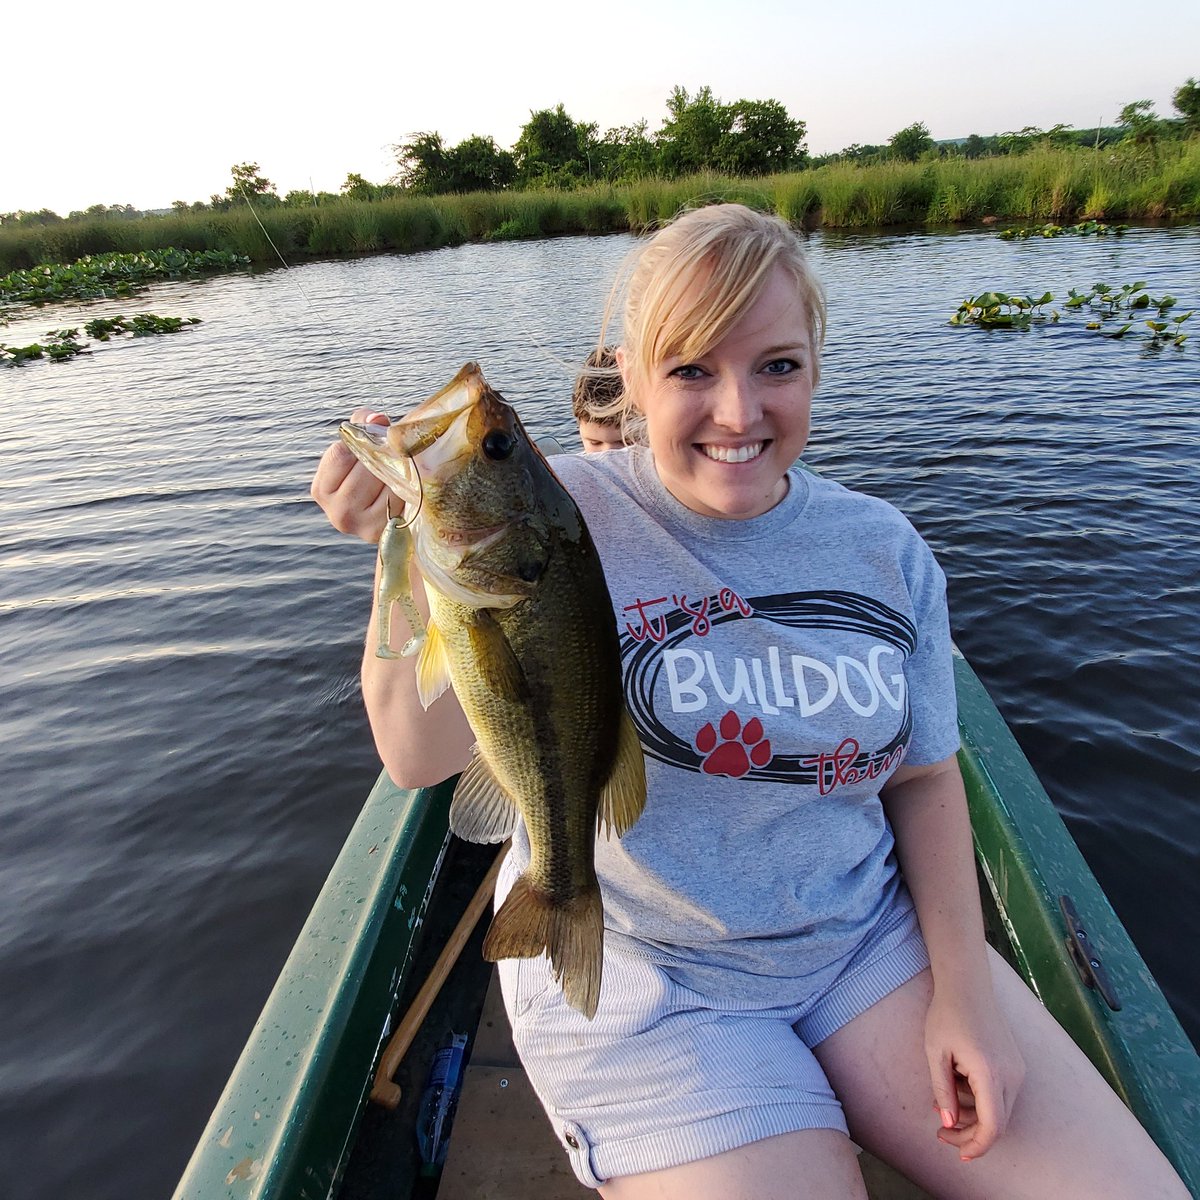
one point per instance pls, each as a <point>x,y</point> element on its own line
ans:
<point>1069,1135</point>
<point>816,1164</point>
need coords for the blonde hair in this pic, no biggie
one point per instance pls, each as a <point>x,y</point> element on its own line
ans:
<point>732,250</point>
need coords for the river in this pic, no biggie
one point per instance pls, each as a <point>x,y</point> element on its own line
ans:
<point>183,741</point>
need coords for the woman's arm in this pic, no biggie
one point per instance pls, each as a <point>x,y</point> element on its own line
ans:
<point>418,747</point>
<point>974,1063</point>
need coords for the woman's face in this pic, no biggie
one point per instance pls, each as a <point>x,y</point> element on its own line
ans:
<point>725,427</point>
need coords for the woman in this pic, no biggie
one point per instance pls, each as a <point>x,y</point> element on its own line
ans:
<point>794,948</point>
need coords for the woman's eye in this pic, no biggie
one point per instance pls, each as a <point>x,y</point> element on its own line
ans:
<point>687,371</point>
<point>781,366</point>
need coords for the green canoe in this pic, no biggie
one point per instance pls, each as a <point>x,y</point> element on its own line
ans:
<point>295,1122</point>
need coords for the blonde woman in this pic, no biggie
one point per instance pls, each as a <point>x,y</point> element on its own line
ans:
<point>794,950</point>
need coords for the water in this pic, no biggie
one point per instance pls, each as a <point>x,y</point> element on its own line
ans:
<point>183,739</point>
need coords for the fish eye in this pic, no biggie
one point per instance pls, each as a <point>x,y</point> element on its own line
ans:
<point>498,445</point>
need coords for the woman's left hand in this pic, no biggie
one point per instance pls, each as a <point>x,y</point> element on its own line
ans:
<point>977,1071</point>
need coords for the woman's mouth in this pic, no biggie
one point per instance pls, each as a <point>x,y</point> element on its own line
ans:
<point>732,454</point>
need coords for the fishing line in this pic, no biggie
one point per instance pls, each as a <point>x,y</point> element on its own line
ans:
<point>420,498</point>
<point>371,383</point>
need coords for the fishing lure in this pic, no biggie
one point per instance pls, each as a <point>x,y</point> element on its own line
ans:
<point>395,587</point>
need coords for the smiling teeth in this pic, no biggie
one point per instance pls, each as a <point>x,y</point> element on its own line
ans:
<point>730,454</point>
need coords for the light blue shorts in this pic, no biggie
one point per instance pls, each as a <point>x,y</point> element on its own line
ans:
<point>664,1075</point>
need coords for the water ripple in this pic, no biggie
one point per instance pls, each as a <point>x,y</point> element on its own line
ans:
<point>182,727</point>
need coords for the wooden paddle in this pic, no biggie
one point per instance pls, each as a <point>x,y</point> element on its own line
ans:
<point>384,1091</point>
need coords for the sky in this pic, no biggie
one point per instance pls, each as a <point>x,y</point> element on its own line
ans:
<point>151,103</point>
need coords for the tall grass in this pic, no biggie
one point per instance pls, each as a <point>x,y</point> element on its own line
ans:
<point>1052,185</point>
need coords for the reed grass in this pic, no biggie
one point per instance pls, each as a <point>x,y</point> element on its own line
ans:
<point>1127,183</point>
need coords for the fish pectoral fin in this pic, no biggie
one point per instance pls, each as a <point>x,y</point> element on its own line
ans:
<point>495,659</point>
<point>624,795</point>
<point>433,666</point>
<point>571,932</point>
<point>482,811</point>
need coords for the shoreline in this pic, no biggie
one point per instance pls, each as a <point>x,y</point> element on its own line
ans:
<point>1059,186</point>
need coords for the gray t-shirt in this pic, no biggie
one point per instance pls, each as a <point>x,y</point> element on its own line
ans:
<point>778,670</point>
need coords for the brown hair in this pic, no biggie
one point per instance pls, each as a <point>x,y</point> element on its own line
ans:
<point>598,388</point>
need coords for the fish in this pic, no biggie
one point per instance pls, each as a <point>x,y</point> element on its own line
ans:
<point>522,626</point>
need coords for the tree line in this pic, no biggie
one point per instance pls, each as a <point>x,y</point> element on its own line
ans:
<point>742,138</point>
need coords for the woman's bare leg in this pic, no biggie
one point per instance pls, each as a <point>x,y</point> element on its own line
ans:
<point>1069,1136</point>
<point>812,1164</point>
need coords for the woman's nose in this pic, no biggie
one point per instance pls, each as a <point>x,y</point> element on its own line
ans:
<point>736,407</point>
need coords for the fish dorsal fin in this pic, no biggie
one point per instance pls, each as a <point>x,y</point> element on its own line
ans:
<point>624,795</point>
<point>482,811</point>
<point>433,666</point>
<point>495,659</point>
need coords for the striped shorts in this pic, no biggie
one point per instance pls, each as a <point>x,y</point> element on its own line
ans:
<point>665,1075</point>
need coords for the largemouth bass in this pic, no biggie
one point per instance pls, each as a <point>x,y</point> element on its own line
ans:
<point>521,625</point>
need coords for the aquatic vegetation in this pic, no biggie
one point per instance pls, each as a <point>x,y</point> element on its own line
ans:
<point>1083,229</point>
<point>97,277</point>
<point>142,325</point>
<point>1105,301</point>
<point>998,310</point>
<point>64,344</point>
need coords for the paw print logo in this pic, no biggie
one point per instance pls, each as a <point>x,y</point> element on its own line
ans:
<point>738,747</point>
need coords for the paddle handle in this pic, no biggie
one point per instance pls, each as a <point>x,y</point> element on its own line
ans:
<point>384,1091</point>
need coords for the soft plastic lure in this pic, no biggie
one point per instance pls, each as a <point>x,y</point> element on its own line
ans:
<point>395,587</point>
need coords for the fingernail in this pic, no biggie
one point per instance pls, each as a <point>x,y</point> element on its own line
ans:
<point>947,1118</point>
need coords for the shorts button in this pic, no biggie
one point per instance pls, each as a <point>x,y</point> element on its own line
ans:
<point>571,1141</point>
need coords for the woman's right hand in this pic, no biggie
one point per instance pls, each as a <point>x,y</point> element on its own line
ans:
<point>349,495</point>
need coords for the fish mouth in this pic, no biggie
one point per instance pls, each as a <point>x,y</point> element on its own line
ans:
<point>425,444</point>
<point>373,447</point>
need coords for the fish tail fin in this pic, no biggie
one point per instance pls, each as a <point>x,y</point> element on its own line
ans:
<point>571,933</point>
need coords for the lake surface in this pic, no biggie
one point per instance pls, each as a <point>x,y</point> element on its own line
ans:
<point>183,741</point>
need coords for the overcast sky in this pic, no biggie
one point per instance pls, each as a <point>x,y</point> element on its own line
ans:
<point>149,102</point>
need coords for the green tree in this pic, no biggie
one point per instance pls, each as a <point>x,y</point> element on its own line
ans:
<point>428,166</point>
<point>747,137</point>
<point>477,164</point>
<point>693,129</point>
<point>357,188</point>
<point>424,164</point>
<point>1140,122</point>
<point>1187,103</point>
<point>910,142</point>
<point>625,153</point>
<point>43,216</point>
<point>760,138</point>
<point>554,148</point>
<point>250,185</point>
